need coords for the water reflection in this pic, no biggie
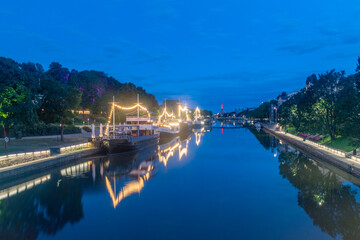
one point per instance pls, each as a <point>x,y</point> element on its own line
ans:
<point>46,203</point>
<point>43,206</point>
<point>326,197</point>
<point>167,150</point>
<point>329,199</point>
<point>145,170</point>
<point>130,188</point>
<point>9,192</point>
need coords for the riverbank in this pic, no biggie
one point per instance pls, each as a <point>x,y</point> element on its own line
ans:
<point>41,164</point>
<point>337,159</point>
<point>41,143</point>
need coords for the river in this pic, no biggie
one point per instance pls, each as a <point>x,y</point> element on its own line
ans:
<point>222,184</point>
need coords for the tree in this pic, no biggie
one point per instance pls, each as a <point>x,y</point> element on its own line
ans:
<point>58,102</point>
<point>330,202</point>
<point>17,92</point>
<point>10,97</point>
<point>58,73</point>
<point>206,113</point>
<point>328,88</point>
<point>261,112</point>
<point>320,106</point>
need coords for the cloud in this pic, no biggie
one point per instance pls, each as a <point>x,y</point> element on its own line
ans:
<point>329,31</point>
<point>341,34</point>
<point>351,40</point>
<point>112,51</point>
<point>342,55</point>
<point>138,79</point>
<point>300,48</point>
<point>71,31</point>
<point>144,57</point>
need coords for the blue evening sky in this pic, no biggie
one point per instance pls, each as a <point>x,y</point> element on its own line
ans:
<point>235,52</point>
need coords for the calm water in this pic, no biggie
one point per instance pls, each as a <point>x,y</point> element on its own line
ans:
<point>232,185</point>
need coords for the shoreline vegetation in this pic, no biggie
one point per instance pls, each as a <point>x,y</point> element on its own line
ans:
<point>326,110</point>
<point>340,161</point>
<point>36,101</point>
<point>58,101</point>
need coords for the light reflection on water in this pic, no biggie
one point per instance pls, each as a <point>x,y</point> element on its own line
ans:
<point>242,183</point>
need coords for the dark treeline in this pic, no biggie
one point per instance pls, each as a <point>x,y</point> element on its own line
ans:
<point>327,199</point>
<point>329,202</point>
<point>329,104</point>
<point>260,112</point>
<point>43,210</point>
<point>30,96</point>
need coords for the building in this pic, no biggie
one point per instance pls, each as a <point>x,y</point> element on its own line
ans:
<point>285,97</point>
<point>172,105</point>
<point>222,110</point>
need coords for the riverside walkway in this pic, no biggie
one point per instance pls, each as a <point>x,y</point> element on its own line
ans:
<point>335,157</point>
<point>85,135</point>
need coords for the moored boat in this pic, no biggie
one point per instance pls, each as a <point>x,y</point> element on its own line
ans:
<point>168,130</point>
<point>186,128</point>
<point>137,133</point>
<point>131,137</point>
<point>167,126</point>
<point>198,124</point>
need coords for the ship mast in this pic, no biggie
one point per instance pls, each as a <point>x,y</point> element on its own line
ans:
<point>138,115</point>
<point>113,116</point>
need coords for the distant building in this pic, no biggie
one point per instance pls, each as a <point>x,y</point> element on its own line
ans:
<point>290,95</point>
<point>222,110</point>
<point>172,105</point>
<point>310,81</point>
<point>285,97</point>
<point>239,110</point>
<point>281,99</point>
<point>83,112</point>
<point>273,113</point>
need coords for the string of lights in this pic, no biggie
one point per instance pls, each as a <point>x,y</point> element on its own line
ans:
<point>197,113</point>
<point>165,113</point>
<point>124,108</point>
<point>184,109</point>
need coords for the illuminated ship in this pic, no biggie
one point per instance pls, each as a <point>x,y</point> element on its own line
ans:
<point>168,126</point>
<point>198,123</point>
<point>168,131</point>
<point>130,173</point>
<point>138,133</point>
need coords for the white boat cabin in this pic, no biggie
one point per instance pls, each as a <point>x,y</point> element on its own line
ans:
<point>137,126</point>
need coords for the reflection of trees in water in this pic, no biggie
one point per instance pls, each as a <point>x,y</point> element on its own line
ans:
<point>330,204</point>
<point>45,208</point>
<point>265,139</point>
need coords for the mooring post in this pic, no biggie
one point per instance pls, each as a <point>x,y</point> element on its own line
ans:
<point>107,129</point>
<point>101,131</point>
<point>92,131</point>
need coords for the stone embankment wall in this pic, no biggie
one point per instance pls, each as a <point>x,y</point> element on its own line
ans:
<point>316,153</point>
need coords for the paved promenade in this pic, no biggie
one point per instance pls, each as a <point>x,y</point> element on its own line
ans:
<point>87,134</point>
<point>313,149</point>
<point>40,143</point>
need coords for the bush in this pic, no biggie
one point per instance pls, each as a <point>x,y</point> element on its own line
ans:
<point>87,129</point>
<point>41,130</point>
<point>71,129</point>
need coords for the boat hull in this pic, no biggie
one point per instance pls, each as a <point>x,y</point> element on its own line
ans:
<point>123,163</point>
<point>113,146</point>
<point>167,137</point>
<point>185,128</point>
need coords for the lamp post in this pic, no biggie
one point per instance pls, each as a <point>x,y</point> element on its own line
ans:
<point>5,139</point>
